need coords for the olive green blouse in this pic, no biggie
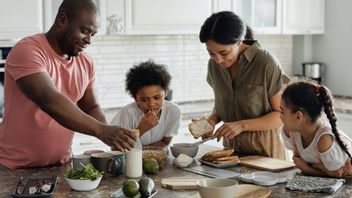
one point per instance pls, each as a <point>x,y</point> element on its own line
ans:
<point>258,78</point>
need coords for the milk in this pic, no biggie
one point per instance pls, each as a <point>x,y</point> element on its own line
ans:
<point>134,164</point>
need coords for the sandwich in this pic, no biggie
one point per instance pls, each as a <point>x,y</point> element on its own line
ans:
<point>200,127</point>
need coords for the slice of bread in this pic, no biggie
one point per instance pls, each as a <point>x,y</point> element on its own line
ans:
<point>229,161</point>
<point>232,157</point>
<point>213,155</point>
<point>200,127</point>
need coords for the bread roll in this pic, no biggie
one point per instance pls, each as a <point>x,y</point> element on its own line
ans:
<point>200,127</point>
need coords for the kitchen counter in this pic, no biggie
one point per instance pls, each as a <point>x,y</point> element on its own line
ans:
<point>9,179</point>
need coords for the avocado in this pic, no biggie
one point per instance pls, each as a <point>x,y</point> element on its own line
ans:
<point>146,186</point>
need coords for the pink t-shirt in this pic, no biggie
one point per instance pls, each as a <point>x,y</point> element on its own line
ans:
<point>29,137</point>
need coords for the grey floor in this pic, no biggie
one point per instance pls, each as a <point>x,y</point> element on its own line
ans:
<point>82,142</point>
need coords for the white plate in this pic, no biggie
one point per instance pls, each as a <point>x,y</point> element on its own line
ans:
<point>218,165</point>
<point>264,178</point>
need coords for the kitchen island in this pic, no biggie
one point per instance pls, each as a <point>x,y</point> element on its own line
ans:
<point>9,179</point>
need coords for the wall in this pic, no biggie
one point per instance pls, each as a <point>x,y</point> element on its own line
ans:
<point>332,48</point>
<point>184,55</point>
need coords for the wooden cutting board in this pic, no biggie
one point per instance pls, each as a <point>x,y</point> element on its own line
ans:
<point>180,183</point>
<point>265,163</point>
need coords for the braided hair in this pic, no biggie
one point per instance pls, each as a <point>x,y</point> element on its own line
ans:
<point>308,96</point>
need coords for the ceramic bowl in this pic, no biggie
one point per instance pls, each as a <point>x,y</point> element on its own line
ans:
<point>83,185</point>
<point>210,188</point>
<point>184,148</point>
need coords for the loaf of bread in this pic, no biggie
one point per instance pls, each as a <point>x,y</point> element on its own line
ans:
<point>200,127</point>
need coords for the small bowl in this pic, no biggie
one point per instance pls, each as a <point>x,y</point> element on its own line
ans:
<point>83,185</point>
<point>184,148</point>
<point>210,188</point>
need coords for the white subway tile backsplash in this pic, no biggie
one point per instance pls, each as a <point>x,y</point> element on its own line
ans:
<point>184,55</point>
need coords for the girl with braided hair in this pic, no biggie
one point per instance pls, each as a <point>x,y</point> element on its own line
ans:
<point>319,148</point>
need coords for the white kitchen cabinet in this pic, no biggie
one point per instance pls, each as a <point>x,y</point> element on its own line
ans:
<point>263,16</point>
<point>303,16</point>
<point>157,16</point>
<point>19,18</point>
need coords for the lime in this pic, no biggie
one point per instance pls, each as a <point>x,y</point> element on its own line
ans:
<point>150,166</point>
<point>130,188</point>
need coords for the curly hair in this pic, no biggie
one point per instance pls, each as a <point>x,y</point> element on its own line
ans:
<point>308,96</point>
<point>146,74</point>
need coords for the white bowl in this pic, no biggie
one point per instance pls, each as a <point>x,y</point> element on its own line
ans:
<point>184,148</point>
<point>83,185</point>
<point>217,188</point>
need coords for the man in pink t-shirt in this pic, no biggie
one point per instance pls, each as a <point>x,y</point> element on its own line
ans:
<point>49,92</point>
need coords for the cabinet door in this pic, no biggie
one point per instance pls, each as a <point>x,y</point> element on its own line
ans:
<point>19,18</point>
<point>263,16</point>
<point>165,16</point>
<point>303,16</point>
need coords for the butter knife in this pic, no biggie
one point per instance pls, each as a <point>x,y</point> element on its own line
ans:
<point>22,185</point>
<point>202,141</point>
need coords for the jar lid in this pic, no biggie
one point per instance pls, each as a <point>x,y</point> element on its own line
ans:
<point>135,133</point>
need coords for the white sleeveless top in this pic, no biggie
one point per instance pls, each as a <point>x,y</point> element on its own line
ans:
<point>333,159</point>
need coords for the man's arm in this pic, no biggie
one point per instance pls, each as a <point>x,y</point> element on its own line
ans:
<point>90,106</point>
<point>41,90</point>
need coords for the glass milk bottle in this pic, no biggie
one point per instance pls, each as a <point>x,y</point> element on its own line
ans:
<point>134,163</point>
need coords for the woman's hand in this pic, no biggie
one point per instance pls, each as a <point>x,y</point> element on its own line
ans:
<point>229,130</point>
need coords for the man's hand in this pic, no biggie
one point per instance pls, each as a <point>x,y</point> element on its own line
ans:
<point>116,137</point>
<point>149,120</point>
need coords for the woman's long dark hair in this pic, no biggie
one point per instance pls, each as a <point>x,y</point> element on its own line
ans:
<point>312,98</point>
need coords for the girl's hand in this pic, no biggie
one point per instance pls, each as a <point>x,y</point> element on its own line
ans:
<point>301,164</point>
<point>229,130</point>
<point>336,173</point>
<point>343,171</point>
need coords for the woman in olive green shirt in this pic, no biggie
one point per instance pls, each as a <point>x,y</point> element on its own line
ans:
<point>246,80</point>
